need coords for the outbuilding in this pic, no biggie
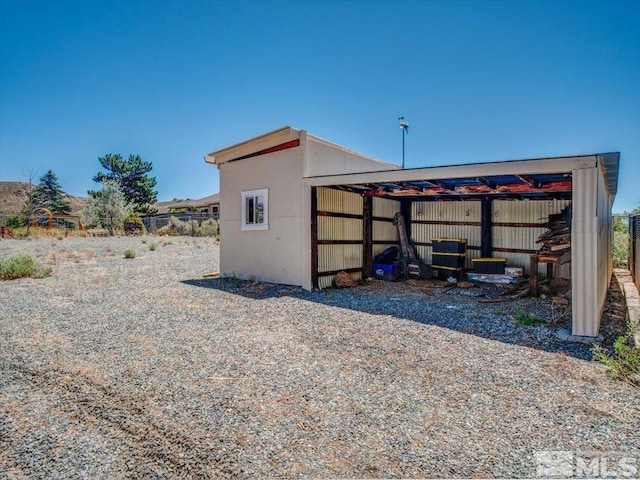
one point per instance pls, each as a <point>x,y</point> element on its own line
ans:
<point>297,209</point>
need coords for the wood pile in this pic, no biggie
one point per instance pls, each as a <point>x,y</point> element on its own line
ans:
<point>556,241</point>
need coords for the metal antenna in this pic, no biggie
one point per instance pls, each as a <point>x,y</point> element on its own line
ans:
<point>405,129</point>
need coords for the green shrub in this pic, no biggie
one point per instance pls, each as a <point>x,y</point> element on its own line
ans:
<point>620,249</point>
<point>152,247</point>
<point>22,266</point>
<point>129,253</point>
<point>209,228</point>
<point>16,221</point>
<point>624,363</point>
<point>133,225</point>
<point>179,227</point>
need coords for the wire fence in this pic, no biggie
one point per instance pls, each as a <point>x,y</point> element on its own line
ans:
<point>155,222</point>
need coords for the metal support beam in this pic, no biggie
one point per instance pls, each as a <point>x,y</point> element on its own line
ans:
<point>530,181</point>
<point>486,247</point>
<point>367,237</point>
<point>405,210</point>
<point>314,238</point>
<point>489,183</point>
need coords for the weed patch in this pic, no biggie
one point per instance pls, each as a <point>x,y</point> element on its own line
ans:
<point>522,317</point>
<point>624,362</point>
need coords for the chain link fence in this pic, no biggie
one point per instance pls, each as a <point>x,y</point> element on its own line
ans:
<point>155,222</point>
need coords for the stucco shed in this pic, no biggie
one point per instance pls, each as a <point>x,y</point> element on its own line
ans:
<point>297,209</point>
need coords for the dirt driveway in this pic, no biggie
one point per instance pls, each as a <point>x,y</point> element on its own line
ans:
<point>141,368</point>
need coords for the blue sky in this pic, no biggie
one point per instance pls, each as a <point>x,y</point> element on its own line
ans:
<point>477,80</point>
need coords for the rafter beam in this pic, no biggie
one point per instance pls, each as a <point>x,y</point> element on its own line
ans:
<point>444,185</point>
<point>532,182</point>
<point>489,183</point>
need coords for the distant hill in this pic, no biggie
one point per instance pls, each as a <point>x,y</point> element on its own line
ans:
<point>14,194</point>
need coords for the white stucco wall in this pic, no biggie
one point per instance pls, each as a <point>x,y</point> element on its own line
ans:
<point>273,255</point>
<point>324,158</point>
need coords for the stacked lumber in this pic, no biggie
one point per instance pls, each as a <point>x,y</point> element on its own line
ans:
<point>556,241</point>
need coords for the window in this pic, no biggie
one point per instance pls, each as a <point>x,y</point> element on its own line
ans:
<point>255,209</point>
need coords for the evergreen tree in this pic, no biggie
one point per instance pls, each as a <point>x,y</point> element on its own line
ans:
<point>131,177</point>
<point>49,194</point>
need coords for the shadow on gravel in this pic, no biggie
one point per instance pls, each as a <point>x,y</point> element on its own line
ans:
<point>459,312</point>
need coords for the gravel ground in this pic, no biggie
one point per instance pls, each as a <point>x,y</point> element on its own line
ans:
<point>140,368</point>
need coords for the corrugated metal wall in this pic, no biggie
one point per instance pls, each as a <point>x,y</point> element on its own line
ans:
<point>453,216</point>
<point>337,256</point>
<point>339,201</point>
<point>514,237</point>
<point>463,220</point>
<point>384,231</point>
<point>584,265</point>
<point>605,243</point>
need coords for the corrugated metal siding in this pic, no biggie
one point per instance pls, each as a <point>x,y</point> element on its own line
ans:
<point>604,233</point>
<point>338,201</point>
<point>385,231</point>
<point>384,207</point>
<point>334,228</point>
<point>466,211</point>
<point>584,283</point>
<point>338,257</point>
<point>525,211</point>
<point>503,211</point>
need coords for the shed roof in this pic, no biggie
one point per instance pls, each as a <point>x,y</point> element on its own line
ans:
<point>529,178</point>
<point>543,178</point>
<point>279,139</point>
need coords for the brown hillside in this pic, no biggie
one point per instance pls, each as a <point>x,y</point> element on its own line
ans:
<point>14,194</point>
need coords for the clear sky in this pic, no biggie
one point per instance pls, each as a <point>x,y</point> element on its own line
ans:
<point>172,80</point>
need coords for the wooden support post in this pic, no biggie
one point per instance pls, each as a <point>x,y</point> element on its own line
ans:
<point>367,237</point>
<point>314,238</point>
<point>486,247</point>
<point>533,276</point>
<point>405,210</point>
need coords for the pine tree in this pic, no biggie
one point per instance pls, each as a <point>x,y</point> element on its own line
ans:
<point>132,180</point>
<point>49,194</point>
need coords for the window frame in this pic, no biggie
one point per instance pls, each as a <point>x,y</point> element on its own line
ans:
<point>247,194</point>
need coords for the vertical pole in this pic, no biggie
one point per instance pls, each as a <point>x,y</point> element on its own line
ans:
<point>314,238</point>
<point>367,237</point>
<point>405,210</point>
<point>403,149</point>
<point>486,247</point>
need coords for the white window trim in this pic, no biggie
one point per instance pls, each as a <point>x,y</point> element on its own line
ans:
<point>252,193</point>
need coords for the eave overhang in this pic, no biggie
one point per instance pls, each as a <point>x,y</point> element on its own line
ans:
<point>545,178</point>
<point>254,146</point>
